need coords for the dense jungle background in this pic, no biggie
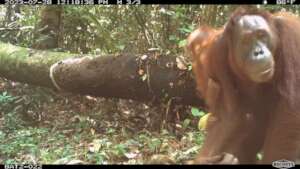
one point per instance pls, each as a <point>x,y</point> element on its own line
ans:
<point>42,126</point>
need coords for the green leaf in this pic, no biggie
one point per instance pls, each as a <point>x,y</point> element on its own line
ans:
<point>186,123</point>
<point>190,67</point>
<point>120,149</point>
<point>182,43</point>
<point>154,144</point>
<point>4,93</point>
<point>196,112</point>
<point>186,30</point>
<point>121,47</point>
<point>172,37</point>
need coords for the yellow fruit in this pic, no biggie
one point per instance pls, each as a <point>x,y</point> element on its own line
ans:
<point>202,124</point>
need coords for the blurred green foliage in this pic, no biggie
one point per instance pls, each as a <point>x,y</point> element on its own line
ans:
<point>116,29</point>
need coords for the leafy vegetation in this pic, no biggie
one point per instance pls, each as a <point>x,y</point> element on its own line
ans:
<point>76,139</point>
<point>40,126</point>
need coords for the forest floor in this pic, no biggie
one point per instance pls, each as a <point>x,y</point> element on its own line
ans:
<point>40,126</point>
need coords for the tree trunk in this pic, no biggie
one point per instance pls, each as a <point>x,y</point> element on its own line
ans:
<point>48,29</point>
<point>142,78</point>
